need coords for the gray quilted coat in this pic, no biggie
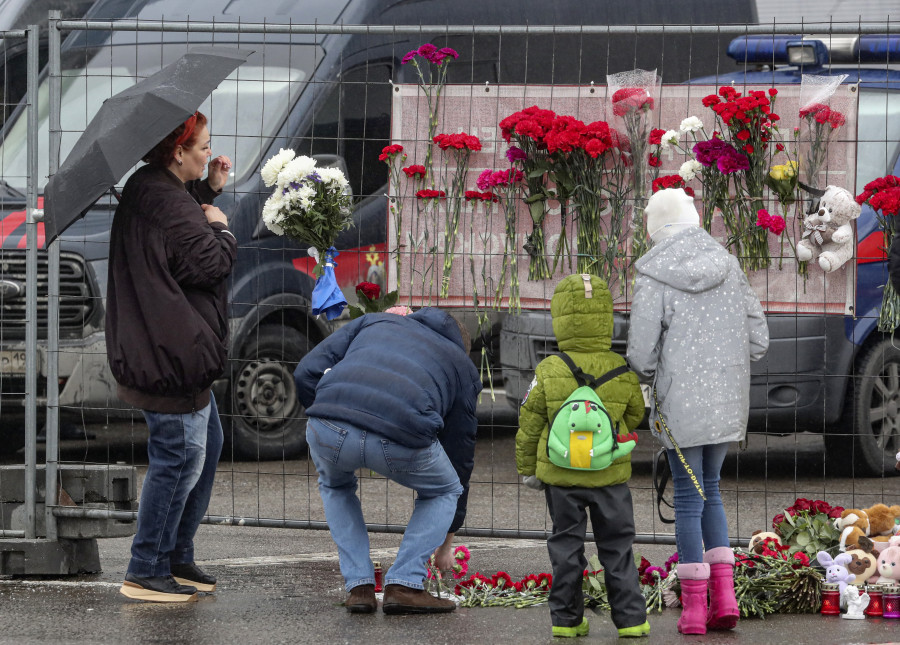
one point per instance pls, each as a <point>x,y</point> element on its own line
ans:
<point>695,326</point>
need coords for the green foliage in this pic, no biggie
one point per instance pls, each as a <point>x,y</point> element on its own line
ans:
<point>369,306</point>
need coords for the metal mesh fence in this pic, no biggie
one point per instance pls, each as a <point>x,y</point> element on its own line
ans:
<point>824,403</point>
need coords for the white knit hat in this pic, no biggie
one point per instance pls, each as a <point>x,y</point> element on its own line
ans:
<point>668,211</point>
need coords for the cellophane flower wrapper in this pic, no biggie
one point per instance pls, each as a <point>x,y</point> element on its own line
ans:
<point>823,112</point>
<point>637,92</point>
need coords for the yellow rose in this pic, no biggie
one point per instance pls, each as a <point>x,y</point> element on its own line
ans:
<point>790,169</point>
<point>776,173</point>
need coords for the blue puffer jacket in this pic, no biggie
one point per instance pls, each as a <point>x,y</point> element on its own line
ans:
<point>406,378</point>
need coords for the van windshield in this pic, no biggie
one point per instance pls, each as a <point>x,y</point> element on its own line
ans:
<point>244,112</point>
<point>878,136</point>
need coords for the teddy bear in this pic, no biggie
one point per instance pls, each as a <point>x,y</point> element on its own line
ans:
<point>863,566</point>
<point>889,563</point>
<point>876,522</point>
<point>828,231</point>
<point>758,538</point>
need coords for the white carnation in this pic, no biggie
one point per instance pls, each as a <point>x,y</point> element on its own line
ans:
<point>333,175</point>
<point>670,138</point>
<point>691,124</point>
<point>689,169</point>
<point>296,170</point>
<point>272,215</point>
<point>275,165</point>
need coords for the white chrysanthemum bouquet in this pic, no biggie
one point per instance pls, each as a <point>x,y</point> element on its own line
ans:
<point>309,204</point>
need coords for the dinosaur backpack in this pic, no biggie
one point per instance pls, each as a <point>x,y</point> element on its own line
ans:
<point>582,434</point>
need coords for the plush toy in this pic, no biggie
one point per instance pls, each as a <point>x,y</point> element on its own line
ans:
<point>876,522</point>
<point>889,562</point>
<point>828,232</point>
<point>863,566</point>
<point>836,570</point>
<point>758,539</point>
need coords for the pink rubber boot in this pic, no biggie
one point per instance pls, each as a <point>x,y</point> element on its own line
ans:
<point>694,578</point>
<point>723,610</point>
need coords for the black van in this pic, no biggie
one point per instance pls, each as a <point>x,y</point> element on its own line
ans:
<point>326,95</point>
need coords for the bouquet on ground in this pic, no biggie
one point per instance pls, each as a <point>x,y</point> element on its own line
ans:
<point>808,526</point>
<point>883,195</point>
<point>311,205</point>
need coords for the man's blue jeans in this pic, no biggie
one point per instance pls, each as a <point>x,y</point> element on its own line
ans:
<point>183,452</point>
<point>337,450</point>
<point>698,524</point>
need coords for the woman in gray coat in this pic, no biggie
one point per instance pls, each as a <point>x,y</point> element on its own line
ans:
<point>695,326</point>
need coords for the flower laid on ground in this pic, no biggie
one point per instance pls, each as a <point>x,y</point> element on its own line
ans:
<point>820,120</point>
<point>655,582</point>
<point>527,129</point>
<point>370,300</point>
<point>432,79</point>
<point>308,204</point>
<point>776,583</point>
<point>458,147</point>
<point>808,526</point>
<point>883,196</point>
<point>633,98</point>
<point>394,157</point>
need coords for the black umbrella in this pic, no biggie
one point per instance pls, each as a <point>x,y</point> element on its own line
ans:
<point>127,126</point>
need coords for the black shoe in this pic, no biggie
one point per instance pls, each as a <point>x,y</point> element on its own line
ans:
<point>156,589</point>
<point>190,574</point>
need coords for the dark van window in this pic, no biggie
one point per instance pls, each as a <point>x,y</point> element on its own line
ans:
<point>354,121</point>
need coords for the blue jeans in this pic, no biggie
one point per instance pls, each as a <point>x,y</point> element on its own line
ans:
<point>698,524</point>
<point>337,450</point>
<point>183,452</point>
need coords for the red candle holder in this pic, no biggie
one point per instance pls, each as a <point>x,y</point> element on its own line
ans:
<point>876,606</point>
<point>379,577</point>
<point>891,601</point>
<point>831,599</point>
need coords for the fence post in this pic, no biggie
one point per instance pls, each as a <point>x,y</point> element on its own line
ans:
<point>51,452</point>
<point>31,295</point>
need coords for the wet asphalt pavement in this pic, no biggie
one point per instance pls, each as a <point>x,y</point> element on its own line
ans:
<point>284,586</point>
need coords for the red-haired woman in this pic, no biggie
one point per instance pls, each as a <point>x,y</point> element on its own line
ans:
<point>166,339</point>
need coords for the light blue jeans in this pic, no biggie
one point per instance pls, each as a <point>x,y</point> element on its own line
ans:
<point>183,452</point>
<point>337,450</point>
<point>698,524</point>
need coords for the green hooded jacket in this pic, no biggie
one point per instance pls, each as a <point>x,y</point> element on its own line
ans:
<point>583,328</point>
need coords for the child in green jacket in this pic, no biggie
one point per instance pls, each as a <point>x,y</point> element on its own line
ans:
<point>583,324</point>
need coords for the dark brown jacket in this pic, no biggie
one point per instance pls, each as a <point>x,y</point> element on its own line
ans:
<point>166,300</point>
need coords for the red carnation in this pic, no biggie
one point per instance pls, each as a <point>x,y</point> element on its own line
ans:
<point>656,135</point>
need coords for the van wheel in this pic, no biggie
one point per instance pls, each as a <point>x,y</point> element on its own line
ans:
<point>266,418</point>
<point>868,438</point>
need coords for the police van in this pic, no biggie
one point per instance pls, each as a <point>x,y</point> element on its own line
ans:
<point>829,373</point>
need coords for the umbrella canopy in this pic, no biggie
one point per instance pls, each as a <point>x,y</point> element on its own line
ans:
<point>127,126</point>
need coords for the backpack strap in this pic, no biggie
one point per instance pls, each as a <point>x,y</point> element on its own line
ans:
<point>590,380</point>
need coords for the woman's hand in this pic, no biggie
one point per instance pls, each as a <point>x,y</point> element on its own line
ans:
<point>217,174</point>
<point>214,214</point>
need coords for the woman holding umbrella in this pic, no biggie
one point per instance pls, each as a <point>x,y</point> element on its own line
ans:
<point>166,339</point>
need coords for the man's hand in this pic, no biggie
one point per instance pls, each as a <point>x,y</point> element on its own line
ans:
<point>218,171</point>
<point>443,555</point>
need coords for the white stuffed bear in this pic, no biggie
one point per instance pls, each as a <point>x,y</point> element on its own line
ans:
<point>828,232</point>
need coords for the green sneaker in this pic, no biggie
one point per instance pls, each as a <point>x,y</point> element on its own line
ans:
<point>635,632</point>
<point>572,632</point>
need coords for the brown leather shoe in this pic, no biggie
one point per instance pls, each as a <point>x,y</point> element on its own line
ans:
<point>405,600</point>
<point>362,600</point>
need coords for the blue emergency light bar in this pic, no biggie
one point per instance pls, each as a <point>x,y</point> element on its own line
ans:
<point>815,50</point>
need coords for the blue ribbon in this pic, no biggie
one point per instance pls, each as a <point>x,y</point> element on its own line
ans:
<point>327,297</point>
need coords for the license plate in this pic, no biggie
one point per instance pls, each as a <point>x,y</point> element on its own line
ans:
<point>12,362</point>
